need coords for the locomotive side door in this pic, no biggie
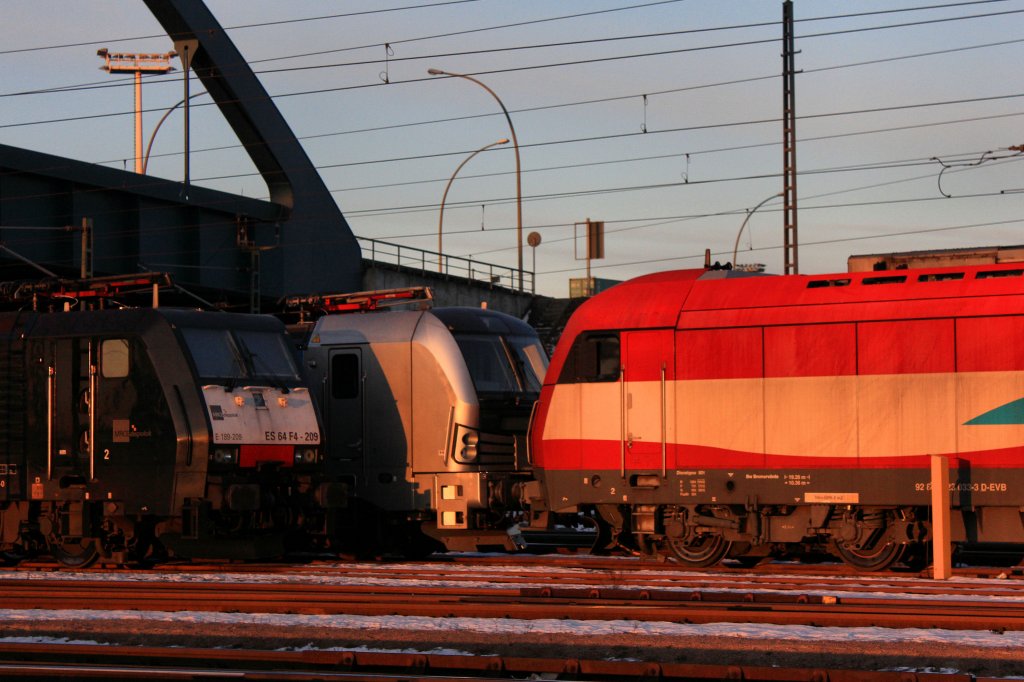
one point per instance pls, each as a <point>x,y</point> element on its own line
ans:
<point>647,370</point>
<point>345,405</point>
<point>69,391</point>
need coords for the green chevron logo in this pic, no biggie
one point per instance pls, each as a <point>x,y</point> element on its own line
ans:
<point>1010,413</point>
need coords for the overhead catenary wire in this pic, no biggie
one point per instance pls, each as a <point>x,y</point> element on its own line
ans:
<point>399,210</point>
<point>633,134</point>
<point>124,82</point>
<point>602,100</point>
<point>666,220</point>
<point>280,22</point>
<point>157,79</point>
<point>676,155</point>
<point>634,188</point>
<point>661,221</point>
<point>809,244</point>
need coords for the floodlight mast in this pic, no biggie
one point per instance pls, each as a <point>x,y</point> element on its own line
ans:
<point>137,63</point>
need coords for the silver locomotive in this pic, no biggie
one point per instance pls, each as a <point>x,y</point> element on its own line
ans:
<point>425,417</point>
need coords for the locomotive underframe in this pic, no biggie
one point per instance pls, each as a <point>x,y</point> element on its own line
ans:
<point>243,515</point>
<point>468,511</point>
<point>868,517</point>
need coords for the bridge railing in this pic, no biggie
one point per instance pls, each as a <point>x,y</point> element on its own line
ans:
<point>411,258</point>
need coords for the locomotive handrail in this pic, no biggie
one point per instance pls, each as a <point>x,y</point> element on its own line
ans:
<point>51,380</point>
<point>664,420</point>
<point>529,433</point>
<point>188,425</point>
<point>450,433</point>
<point>92,413</point>
<point>622,419</point>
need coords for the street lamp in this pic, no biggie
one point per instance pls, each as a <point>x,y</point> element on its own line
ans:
<point>736,248</point>
<point>515,145</point>
<point>440,217</point>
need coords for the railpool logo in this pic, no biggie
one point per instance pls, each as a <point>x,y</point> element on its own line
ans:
<point>1010,413</point>
<point>125,431</point>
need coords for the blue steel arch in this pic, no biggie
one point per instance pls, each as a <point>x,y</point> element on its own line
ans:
<point>316,250</point>
<point>204,238</point>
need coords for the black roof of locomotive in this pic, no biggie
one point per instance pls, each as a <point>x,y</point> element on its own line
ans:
<point>124,320</point>
<point>482,321</point>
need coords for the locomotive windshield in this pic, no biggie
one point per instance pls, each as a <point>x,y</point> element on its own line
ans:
<point>503,364</point>
<point>221,355</point>
<point>531,360</point>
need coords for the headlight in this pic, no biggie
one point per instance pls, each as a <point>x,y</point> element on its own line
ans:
<point>469,446</point>
<point>224,456</point>
<point>306,455</point>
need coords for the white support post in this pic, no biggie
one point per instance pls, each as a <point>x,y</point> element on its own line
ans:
<point>942,547</point>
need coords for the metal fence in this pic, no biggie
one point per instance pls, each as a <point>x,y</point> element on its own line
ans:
<point>427,262</point>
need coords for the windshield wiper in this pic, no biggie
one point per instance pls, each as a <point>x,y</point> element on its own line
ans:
<point>271,377</point>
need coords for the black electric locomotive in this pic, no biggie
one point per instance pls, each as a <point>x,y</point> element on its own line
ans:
<point>127,434</point>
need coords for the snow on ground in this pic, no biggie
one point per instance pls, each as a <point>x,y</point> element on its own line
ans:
<point>491,577</point>
<point>549,627</point>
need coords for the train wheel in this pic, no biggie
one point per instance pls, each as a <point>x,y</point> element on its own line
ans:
<point>75,553</point>
<point>877,558</point>
<point>699,551</point>
<point>740,555</point>
<point>916,556</point>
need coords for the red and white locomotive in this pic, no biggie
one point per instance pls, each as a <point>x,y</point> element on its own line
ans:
<point>714,413</point>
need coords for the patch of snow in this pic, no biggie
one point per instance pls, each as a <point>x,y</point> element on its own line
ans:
<point>494,578</point>
<point>547,627</point>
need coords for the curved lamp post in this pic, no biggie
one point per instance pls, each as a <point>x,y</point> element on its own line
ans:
<point>156,129</point>
<point>736,248</point>
<point>515,145</point>
<point>440,217</point>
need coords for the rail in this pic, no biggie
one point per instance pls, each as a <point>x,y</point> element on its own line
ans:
<point>425,262</point>
<point>64,661</point>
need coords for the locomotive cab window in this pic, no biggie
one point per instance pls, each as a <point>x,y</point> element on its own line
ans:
<point>114,358</point>
<point>214,353</point>
<point>250,355</point>
<point>267,354</point>
<point>531,361</point>
<point>489,364</point>
<point>593,357</point>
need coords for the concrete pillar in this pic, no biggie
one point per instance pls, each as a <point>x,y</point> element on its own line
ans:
<point>942,546</point>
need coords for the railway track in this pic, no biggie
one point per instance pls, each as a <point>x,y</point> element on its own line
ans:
<point>151,663</point>
<point>330,600</point>
<point>687,600</point>
<point>506,573</point>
